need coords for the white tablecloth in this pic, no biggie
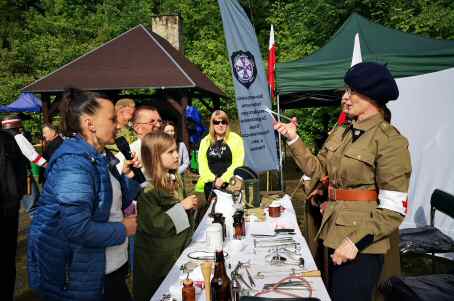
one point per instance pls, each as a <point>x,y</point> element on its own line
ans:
<point>172,282</point>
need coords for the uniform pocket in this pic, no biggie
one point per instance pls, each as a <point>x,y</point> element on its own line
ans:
<point>361,155</point>
<point>351,219</point>
<point>358,167</point>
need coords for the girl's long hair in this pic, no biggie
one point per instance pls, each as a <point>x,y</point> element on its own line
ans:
<point>153,146</point>
<point>218,114</point>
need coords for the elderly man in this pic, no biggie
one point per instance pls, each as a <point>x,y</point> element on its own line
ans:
<point>124,109</point>
<point>124,112</point>
<point>146,120</point>
<point>53,140</point>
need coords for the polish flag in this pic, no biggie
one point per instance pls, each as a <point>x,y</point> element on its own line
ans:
<point>272,63</point>
<point>356,58</point>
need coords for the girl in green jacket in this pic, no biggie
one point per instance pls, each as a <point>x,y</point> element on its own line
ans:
<point>165,217</point>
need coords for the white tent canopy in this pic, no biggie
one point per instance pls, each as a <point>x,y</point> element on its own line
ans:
<point>424,113</point>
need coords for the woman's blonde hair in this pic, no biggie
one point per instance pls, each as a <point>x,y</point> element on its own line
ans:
<point>218,114</point>
<point>153,146</point>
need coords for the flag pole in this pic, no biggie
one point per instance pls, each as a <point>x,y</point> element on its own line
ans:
<point>281,156</point>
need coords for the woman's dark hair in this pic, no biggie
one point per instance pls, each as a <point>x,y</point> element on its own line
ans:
<point>74,104</point>
<point>386,113</point>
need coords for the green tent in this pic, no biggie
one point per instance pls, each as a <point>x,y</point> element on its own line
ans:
<point>313,80</point>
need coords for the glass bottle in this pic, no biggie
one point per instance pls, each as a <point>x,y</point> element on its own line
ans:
<point>220,284</point>
<point>219,218</point>
<point>188,290</point>
<point>238,224</point>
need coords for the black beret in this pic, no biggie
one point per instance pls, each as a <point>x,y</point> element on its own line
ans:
<point>373,80</point>
<point>244,173</point>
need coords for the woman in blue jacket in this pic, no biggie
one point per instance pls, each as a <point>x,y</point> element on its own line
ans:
<point>77,245</point>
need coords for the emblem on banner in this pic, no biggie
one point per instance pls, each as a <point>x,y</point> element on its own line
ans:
<point>244,68</point>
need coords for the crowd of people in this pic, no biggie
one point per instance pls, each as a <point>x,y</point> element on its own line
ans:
<point>87,212</point>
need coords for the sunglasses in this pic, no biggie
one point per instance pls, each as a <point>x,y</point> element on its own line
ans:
<point>218,122</point>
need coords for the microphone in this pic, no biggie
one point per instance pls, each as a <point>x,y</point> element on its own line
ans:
<point>123,147</point>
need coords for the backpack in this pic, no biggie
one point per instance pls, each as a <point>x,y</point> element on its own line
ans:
<point>13,171</point>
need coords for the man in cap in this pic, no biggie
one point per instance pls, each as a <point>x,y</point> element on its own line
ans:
<point>13,186</point>
<point>13,124</point>
<point>368,168</point>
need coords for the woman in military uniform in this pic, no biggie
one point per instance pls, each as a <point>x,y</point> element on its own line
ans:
<point>368,167</point>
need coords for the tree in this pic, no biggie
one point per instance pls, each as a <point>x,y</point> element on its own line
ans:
<point>38,36</point>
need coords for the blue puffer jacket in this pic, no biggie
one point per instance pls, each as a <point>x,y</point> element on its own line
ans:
<point>70,229</point>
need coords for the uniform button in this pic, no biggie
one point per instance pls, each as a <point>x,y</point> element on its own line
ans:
<point>354,223</point>
<point>359,156</point>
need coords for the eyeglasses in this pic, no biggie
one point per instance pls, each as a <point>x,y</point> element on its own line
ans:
<point>348,91</point>
<point>218,122</point>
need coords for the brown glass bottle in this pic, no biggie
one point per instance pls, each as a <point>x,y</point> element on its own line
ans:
<point>220,284</point>
<point>188,290</point>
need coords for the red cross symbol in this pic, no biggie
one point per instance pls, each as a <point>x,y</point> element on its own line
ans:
<point>405,205</point>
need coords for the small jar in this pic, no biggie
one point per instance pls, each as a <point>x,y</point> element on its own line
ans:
<point>188,290</point>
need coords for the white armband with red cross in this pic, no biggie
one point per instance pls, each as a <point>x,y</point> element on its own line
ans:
<point>393,200</point>
<point>28,150</point>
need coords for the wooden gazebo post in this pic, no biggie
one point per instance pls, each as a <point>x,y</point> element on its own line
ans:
<point>180,107</point>
<point>45,100</point>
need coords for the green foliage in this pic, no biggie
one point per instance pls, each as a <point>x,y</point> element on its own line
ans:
<point>39,36</point>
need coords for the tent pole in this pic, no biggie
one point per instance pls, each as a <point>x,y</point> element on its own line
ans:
<point>281,160</point>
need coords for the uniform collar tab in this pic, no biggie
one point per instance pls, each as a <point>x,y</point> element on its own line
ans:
<point>368,123</point>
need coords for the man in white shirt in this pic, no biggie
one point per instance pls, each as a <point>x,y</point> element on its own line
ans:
<point>146,120</point>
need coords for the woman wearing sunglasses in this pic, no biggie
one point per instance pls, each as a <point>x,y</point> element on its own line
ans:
<point>220,152</point>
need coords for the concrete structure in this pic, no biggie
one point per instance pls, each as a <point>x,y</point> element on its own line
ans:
<point>170,27</point>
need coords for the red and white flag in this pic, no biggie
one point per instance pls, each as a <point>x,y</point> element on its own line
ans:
<point>272,63</point>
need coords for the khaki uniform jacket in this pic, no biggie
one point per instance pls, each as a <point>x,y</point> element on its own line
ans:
<point>378,159</point>
<point>159,240</point>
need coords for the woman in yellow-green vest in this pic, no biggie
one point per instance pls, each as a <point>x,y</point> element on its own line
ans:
<point>220,152</point>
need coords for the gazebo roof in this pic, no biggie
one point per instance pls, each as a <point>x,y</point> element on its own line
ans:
<point>138,58</point>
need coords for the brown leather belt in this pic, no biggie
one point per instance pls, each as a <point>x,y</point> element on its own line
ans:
<point>352,195</point>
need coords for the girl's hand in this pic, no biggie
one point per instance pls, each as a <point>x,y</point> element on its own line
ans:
<point>130,223</point>
<point>218,182</point>
<point>127,171</point>
<point>190,202</point>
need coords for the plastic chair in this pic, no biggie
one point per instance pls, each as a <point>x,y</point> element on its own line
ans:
<point>429,239</point>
